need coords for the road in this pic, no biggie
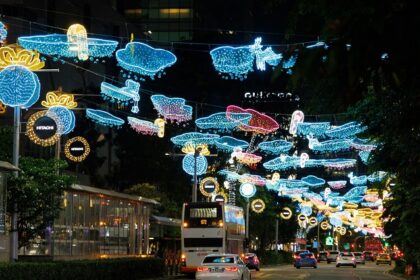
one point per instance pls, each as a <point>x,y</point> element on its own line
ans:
<point>369,271</point>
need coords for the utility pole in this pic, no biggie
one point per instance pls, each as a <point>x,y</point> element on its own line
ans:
<point>16,142</point>
<point>277,234</point>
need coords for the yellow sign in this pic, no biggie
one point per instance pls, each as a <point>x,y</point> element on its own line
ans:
<point>258,205</point>
<point>313,221</point>
<point>69,150</point>
<point>325,225</point>
<point>208,186</point>
<point>286,213</point>
<point>15,55</point>
<point>59,98</point>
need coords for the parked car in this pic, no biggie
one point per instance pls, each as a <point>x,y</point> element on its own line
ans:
<point>332,256</point>
<point>306,260</point>
<point>222,266</point>
<point>346,258</point>
<point>368,256</point>
<point>251,260</point>
<point>359,257</point>
<point>296,255</point>
<point>322,256</point>
<point>383,258</point>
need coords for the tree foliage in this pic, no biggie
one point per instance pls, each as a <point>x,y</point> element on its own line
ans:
<point>37,191</point>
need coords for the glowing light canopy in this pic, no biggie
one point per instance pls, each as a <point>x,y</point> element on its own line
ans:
<point>145,60</point>
<point>64,116</point>
<point>220,122</point>
<point>59,98</point>
<point>19,87</point>
<point>172,109</point>
<point>188,164</point>
<point>316,129</point>
<point>104,118</point>
<point>228,143</point>
<point>313,181</point>
<point>3,32</point>
<point>143,127</point>
<point>194,138</point>
<point>259,122</point>
<point>337,184</point>
<point>122,95</point>
<point>331,146</point>
<point>275,147</point>
<point>345,131</point>
<point>15,55</point>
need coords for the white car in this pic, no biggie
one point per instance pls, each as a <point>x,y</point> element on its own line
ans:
<point>346,258</point>
<point>222,266</point>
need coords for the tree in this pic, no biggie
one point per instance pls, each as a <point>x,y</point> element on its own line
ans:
<point>37,191</point>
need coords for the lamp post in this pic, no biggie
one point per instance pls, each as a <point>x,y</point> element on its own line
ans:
<point>194,190</point>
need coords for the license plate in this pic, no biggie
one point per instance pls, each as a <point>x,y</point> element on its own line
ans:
<point>345,259</point>
<point>216,270</point>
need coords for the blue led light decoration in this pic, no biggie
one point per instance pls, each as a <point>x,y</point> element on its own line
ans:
<point>194,138</point>
<point>316,129</point>
<point>331,146</point>
<point>313,181</point>
<point>172,109</point>
<point>228,143</point>
<point>144,60</point>
<point>347,130</point>
<point>3,33</point>
<point>188,164</point>
<point>363,145</point>
<point>289,63</point>
<point>104,118</point>
<point>19,87</point>
<point>275,147</point>
<point>364,156</point>
<point>122,95</point>
<point>64,116</point>
<point>237,62</point>
<point>306,210</point>
<point>220,122</point>
<point>58,45</point>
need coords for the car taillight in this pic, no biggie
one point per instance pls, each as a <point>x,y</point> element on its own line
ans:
<point>312,257</point>
<point>202,269</point>
<point>231,268</point>
<point>338,258</point>
<point>352,259</point>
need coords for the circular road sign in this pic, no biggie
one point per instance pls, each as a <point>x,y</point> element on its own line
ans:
<point>247,190</point>
<point>208,186</point>
<point>258,205</point>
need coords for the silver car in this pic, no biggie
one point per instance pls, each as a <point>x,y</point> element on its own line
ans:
<point>222,266</point>
<point>346,258</point>
<point>359,257</point>
<point>332,256</point>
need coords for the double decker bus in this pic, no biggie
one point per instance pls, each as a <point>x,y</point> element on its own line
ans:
<point>210,227</point>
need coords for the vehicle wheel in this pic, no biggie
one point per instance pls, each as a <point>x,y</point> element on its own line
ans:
<point>377,263</point>
<point>337,265</point>
<point>315,267</point>
<point>389,263</point>
<point>257,269</point>
<point>354,266</point>
<point>328,262</point>
<point>298,267</point>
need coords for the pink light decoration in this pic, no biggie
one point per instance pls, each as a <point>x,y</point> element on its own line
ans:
<point>336,185</point>
<point>246,158</point>
<point>143,127</point>
<point>253,179</point>
<point>259,123</point>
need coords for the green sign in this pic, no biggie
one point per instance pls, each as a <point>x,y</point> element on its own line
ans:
<point>329,241</point>
<point>346,246</point>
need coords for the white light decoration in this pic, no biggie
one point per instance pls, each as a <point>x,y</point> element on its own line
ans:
<point>122,95</point>
<point>143,127</point>
<point>316,129</point>
<point>172,109</point>
<point>104,118</point>
<point>332,146</point>
<point>220,122</point>
<point>145,60</point>
<point>228,144</point>
<point>336,185</point>
<point>304,157</point>
<point>78,42</point>
<point>195,138</point>
<point>247,190</point>
<point>297,117</point>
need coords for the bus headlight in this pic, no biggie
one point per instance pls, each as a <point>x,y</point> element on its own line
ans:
<point>185,224</point>
<point>220,224</point>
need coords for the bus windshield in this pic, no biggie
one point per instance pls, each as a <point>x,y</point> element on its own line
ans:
<point>203,215</point>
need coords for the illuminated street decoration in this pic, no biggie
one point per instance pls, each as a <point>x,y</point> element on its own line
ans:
<point>252,179</point>
<point>275,147</point>
<point>15,55</point>
<point>59,98</point>
<point>377,176</point>
<point>325,225</point>
<point>237,62</point>
<point>345,131</point>
<point>364,156</point>
<point>51,137</point>
<point>286,213</point>
<point>297,117</point>
<point>145,60</point>
<point>259,122</point>
<point>188,164</point>
<point>228,143</point>
<point>209,186</point>
<point>2,108</point>
<point>289,63</point>
<point>3,33</point>
<point>194,138</point>
<point>77,149</point>
<point>357,180</point>
<point>172,109</point>
<point>317,45</point>
<point>143,127</point>
<point>122,95</point>
<point>313,221</point>
<point>220,122</point>
<point>313,181</point>
<point>363,145</point>
<point>245,158</point>
<point>64,116</point>
<point>72,46</point>
<point>258,205</point>
<point>304,157</point>
<point>190,148</point>
<point>331,146</point>
<point>336,185</point>
<point>78,41</point>
<point>316,129</point>
<point>19,87</point>
<point>104,118</point>
<point>339,163</point>
<point>306,210</point>
<point>230,175</point>
<point>247,190</point>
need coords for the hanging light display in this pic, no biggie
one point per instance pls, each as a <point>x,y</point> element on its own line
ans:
<point>104,118</point>
<point>316,129</point>
<point>142,59</point>
<point>220,122</point>
<point>15,55</point>
<point>3,33</point>
<point>190,148</point>
<point>172,109</point>
<point>71,45</point>
<point>259,122</point>
<point>275,147</point>
<point>143,127</point>
<point>345,131</point>
<point>59,98</point>
<point>194,138</point>
<point>19,87</point>
<point>188,164</point>
<point>2,108</point>
<point>64,116</point>
<point>77,149</point>
<point>332,146</point>
<point>122,95</point>
<point>297,117</point>
<point>228,143</point>
<point>313,181</point>
<point>42,130</point>
<point>325,225</point>
<point>336,185</point>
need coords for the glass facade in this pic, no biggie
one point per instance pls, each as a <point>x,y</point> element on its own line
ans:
<point>95,224</point>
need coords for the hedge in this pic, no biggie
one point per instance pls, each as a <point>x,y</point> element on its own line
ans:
<point>272,257</point>
<point>107,269</point>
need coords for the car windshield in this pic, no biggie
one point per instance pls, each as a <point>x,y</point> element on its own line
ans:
<point>368,253</point>
<point>322,253</point>
<point>306,255</point>
<point>219,259</point>
<point>334,252</point>
<point>357,254</point>
<point>346,254</point>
